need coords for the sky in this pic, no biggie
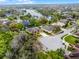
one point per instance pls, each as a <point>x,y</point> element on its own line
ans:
<point>38,1</point>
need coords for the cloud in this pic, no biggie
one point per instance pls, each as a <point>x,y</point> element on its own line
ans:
<point>16,2</point>
<point>25,2</point>
<point>2,0</point>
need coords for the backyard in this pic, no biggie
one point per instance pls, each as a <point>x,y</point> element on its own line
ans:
<point>71,39</point>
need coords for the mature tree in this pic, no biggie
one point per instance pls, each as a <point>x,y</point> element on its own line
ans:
<point>68,24</point>
<point>51,55</point>
<point>46,12</point>
<point>16,26</point>
<point>12,18</point>
<point>56,29</point>
<point>29,15</point>
<point>2,13</point>
<point>25,17</point>
<point>34,22</point>
<point>22,47</point>
<point>43,20</point>
<point>5,38</point>
<point>55,17</point>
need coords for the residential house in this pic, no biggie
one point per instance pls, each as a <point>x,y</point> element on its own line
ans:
<point>34,30</point>
<point>63,21</point>
<point>18,20</point>
<point>50,28</point>
<point>4,22</point>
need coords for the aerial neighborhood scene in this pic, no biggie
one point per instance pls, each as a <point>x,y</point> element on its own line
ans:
<point>39,29</point>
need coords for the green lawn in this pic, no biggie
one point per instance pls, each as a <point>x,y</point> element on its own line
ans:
<point>71,39</point>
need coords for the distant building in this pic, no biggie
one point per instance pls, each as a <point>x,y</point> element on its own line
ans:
<point>18,21</point>
<point>8,14</point>
<point>77,33</point>
<point>36,17</point>
<point>63,21</point>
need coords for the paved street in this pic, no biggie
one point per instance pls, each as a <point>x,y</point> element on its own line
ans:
<point>34,13</point>
<point>54,42</point>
